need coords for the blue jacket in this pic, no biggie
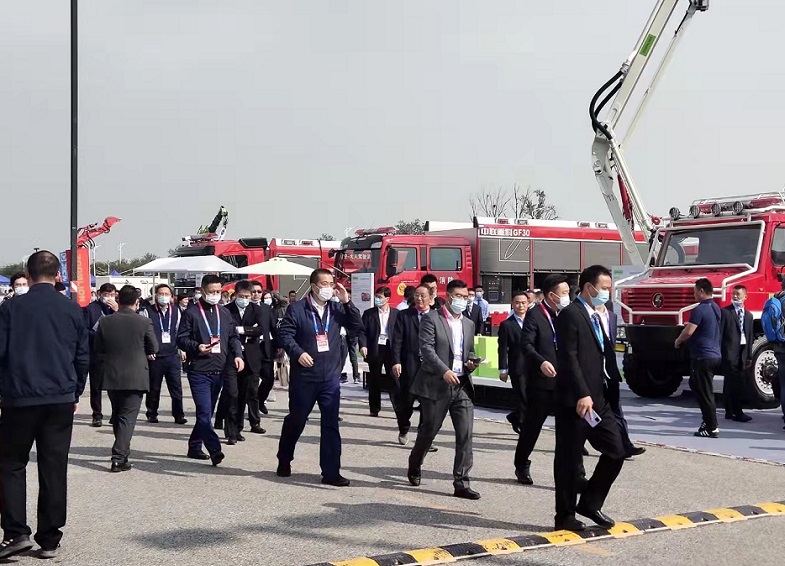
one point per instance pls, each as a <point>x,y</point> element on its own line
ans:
<point>297,336</point>
<point>153,313</point>
<point>43,349</point>
<point>94,312</point>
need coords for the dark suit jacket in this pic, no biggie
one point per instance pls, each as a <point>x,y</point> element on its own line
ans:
<point>476,317</point>
<point>437,356</point>
<point>511,347</point>
<point>406,345</point>
<point>372,328</point>
<point>123,342</point>
<point>580,356</point>
<point>539,346</point>
<point>251,323</point>
<point>733,353</point>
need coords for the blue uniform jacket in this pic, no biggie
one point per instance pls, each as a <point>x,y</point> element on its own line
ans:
<point>297,335</point>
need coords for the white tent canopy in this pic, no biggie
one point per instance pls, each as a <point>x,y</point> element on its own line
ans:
<point>197,264</point>
<point>276,266</point>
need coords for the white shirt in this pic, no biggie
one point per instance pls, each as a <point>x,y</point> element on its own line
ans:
<point>319,308</point>
<point>242,312</point>
<point>519,320</point>
<point>456,326</point>
<point>384,318</point>
<point>402,306</point>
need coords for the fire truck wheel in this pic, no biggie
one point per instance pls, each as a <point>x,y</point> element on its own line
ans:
<point>762,376</point>
<point>647,381</point>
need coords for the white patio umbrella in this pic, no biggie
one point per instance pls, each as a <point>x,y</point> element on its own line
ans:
<point>276,266</point>
<point>195,264</point>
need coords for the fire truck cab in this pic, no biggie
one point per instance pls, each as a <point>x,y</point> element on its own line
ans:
<point>731,241</point>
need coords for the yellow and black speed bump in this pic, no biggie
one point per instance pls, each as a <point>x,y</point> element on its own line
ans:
<point>514,544</point>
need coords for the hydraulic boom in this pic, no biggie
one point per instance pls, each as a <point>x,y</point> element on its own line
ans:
<point>608,159</point>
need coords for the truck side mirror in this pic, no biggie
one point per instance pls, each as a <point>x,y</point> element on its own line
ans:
<point>391,267</point>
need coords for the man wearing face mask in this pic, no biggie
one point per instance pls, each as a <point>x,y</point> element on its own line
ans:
<point>209,338</point>
<point>19,286</point>
<point>511,356</point>
<point>166,363</point>
<point>311,335</point>
<point>375,341</point>
<point>474,312</point>
<point>269,345</point>
<point>586,367</point>
<point>444,386</point>
<point>93,313</point>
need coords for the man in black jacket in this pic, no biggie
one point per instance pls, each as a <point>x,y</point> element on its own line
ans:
<point>104,305</point>
<point>737,337</point>
<point>125,343</point>
<point>586,364</point>
<point>511,356</point>
<point>44,358</point>
<point>378,326</point>
<point>209,338</point>
<point>474,312</point>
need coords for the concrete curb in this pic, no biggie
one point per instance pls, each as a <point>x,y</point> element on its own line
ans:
<point>521,543</point>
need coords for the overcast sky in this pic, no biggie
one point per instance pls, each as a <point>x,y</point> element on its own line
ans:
<point>310,116</point>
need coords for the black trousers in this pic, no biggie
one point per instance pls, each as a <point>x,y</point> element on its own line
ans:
<point>266,382</point>
<point>403,405</point>
<point>734,389</point>
<point>96,390</point>
<point>519,390</point>
<point>614,400</point>
<point>702,384</point>
<point>50,427</point>
<point>168,368</point>
<point>240,390</point>
<point>125,411</point>
<point>381,360</point>
<point>351,344</point>
<point>572,432</point>
<point>540,404</point>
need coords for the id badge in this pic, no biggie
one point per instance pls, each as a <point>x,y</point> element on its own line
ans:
<point>166,338</point>
<point>216,349</point>
<point>457,366</point>
<point>382,339</point>
<point>322,343</point>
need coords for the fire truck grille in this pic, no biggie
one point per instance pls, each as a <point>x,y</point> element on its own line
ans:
<point>653,300</point>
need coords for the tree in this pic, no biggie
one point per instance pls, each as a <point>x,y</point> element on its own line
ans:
<point>12,268</point>
<point>415,226</point>
<point>490,203</point>
<point>518,203</point>
<point>326,236</point>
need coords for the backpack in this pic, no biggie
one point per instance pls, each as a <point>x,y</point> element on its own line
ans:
<point>772,319</point>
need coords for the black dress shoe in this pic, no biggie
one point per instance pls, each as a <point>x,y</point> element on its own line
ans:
<point>240,438</point>
<point>433,449</point>
<point>14,546</point>
<point>414,477</point>
<point>231,441</point>
<point>524,477</point>
<point>217,458</point>
<point>570,524</point>
<point>219,425</point>
<point>198,455</point>
<point>181,420</point>
<point>340,481</point>
<point>120,467</point>
<point>152,420</point>
<point>284,470</point>
<point>97,423</point>
<point>636,451</point>
<point>466,493</point>
<point>597,516</point>
<point>263,408</point>
<point>257,429</point>
<point>742,418</point>
<point>516,426</point>
<point>374,413</point>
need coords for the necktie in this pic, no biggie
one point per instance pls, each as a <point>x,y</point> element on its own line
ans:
<point>740,314</point>
<point>470,309</point>
<point>595,318</point>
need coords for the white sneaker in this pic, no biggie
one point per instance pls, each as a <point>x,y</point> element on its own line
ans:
<point>403,439</point>
<point>271,398</point>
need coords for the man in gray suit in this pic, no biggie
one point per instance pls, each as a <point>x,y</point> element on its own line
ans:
<point>444,385</point>
<point>125,342</point>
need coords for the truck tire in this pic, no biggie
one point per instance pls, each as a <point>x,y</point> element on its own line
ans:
<point>762,376</point>
<point>649,380</point>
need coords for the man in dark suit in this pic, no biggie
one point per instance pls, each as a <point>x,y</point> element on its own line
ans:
<point>269,347</point>
<point>444,386</point>
<point>378,325</point>
<point>737,339</point>
<point>474,312</point>
<point>44,358</point>
<point>511,362</point>
<point>241,389</point>
<point>166,363</point>
<point>610,323</point>
<point>587,364</point>
<point>310,334</point>
<point>104,305</point>
<point>125,343</point>
<point>429,280</point>
<point>209,338</point>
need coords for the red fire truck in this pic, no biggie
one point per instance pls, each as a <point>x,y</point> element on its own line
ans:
<point>731,241</point>
<point>501,254</point>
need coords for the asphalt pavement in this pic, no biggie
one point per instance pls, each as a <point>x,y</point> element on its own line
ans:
<point>171,510</point>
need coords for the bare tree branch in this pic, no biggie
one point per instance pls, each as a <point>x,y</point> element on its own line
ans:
<point>490,203</point>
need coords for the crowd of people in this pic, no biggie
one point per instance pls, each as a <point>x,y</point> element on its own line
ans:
<point>557,348</point>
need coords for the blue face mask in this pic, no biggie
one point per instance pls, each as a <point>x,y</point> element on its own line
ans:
<point>378,301</point>
<point>602,297</point>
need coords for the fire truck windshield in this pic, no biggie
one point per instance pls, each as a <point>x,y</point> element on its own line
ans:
<point>710,246</point>
<point>357,261</point>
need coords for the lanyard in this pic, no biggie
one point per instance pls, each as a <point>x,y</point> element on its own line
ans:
<point>550,321</point>
<point>596,325</point>
<point>161,319</point>
<point>316,324</point>
<point>207,324</point>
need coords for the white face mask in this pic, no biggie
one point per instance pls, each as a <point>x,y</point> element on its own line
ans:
<point>562,302</point>
<point>21,290</point>
<point>268,301</point>
<point>479,294</point>
<point>242,302</point>
<point>164,300</point>
<point>197,296</point>
<point>212,299</point>
<point>458,305</point>
<point>325,293</point>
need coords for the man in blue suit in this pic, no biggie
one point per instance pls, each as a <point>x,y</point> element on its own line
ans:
<point>311,335</point>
